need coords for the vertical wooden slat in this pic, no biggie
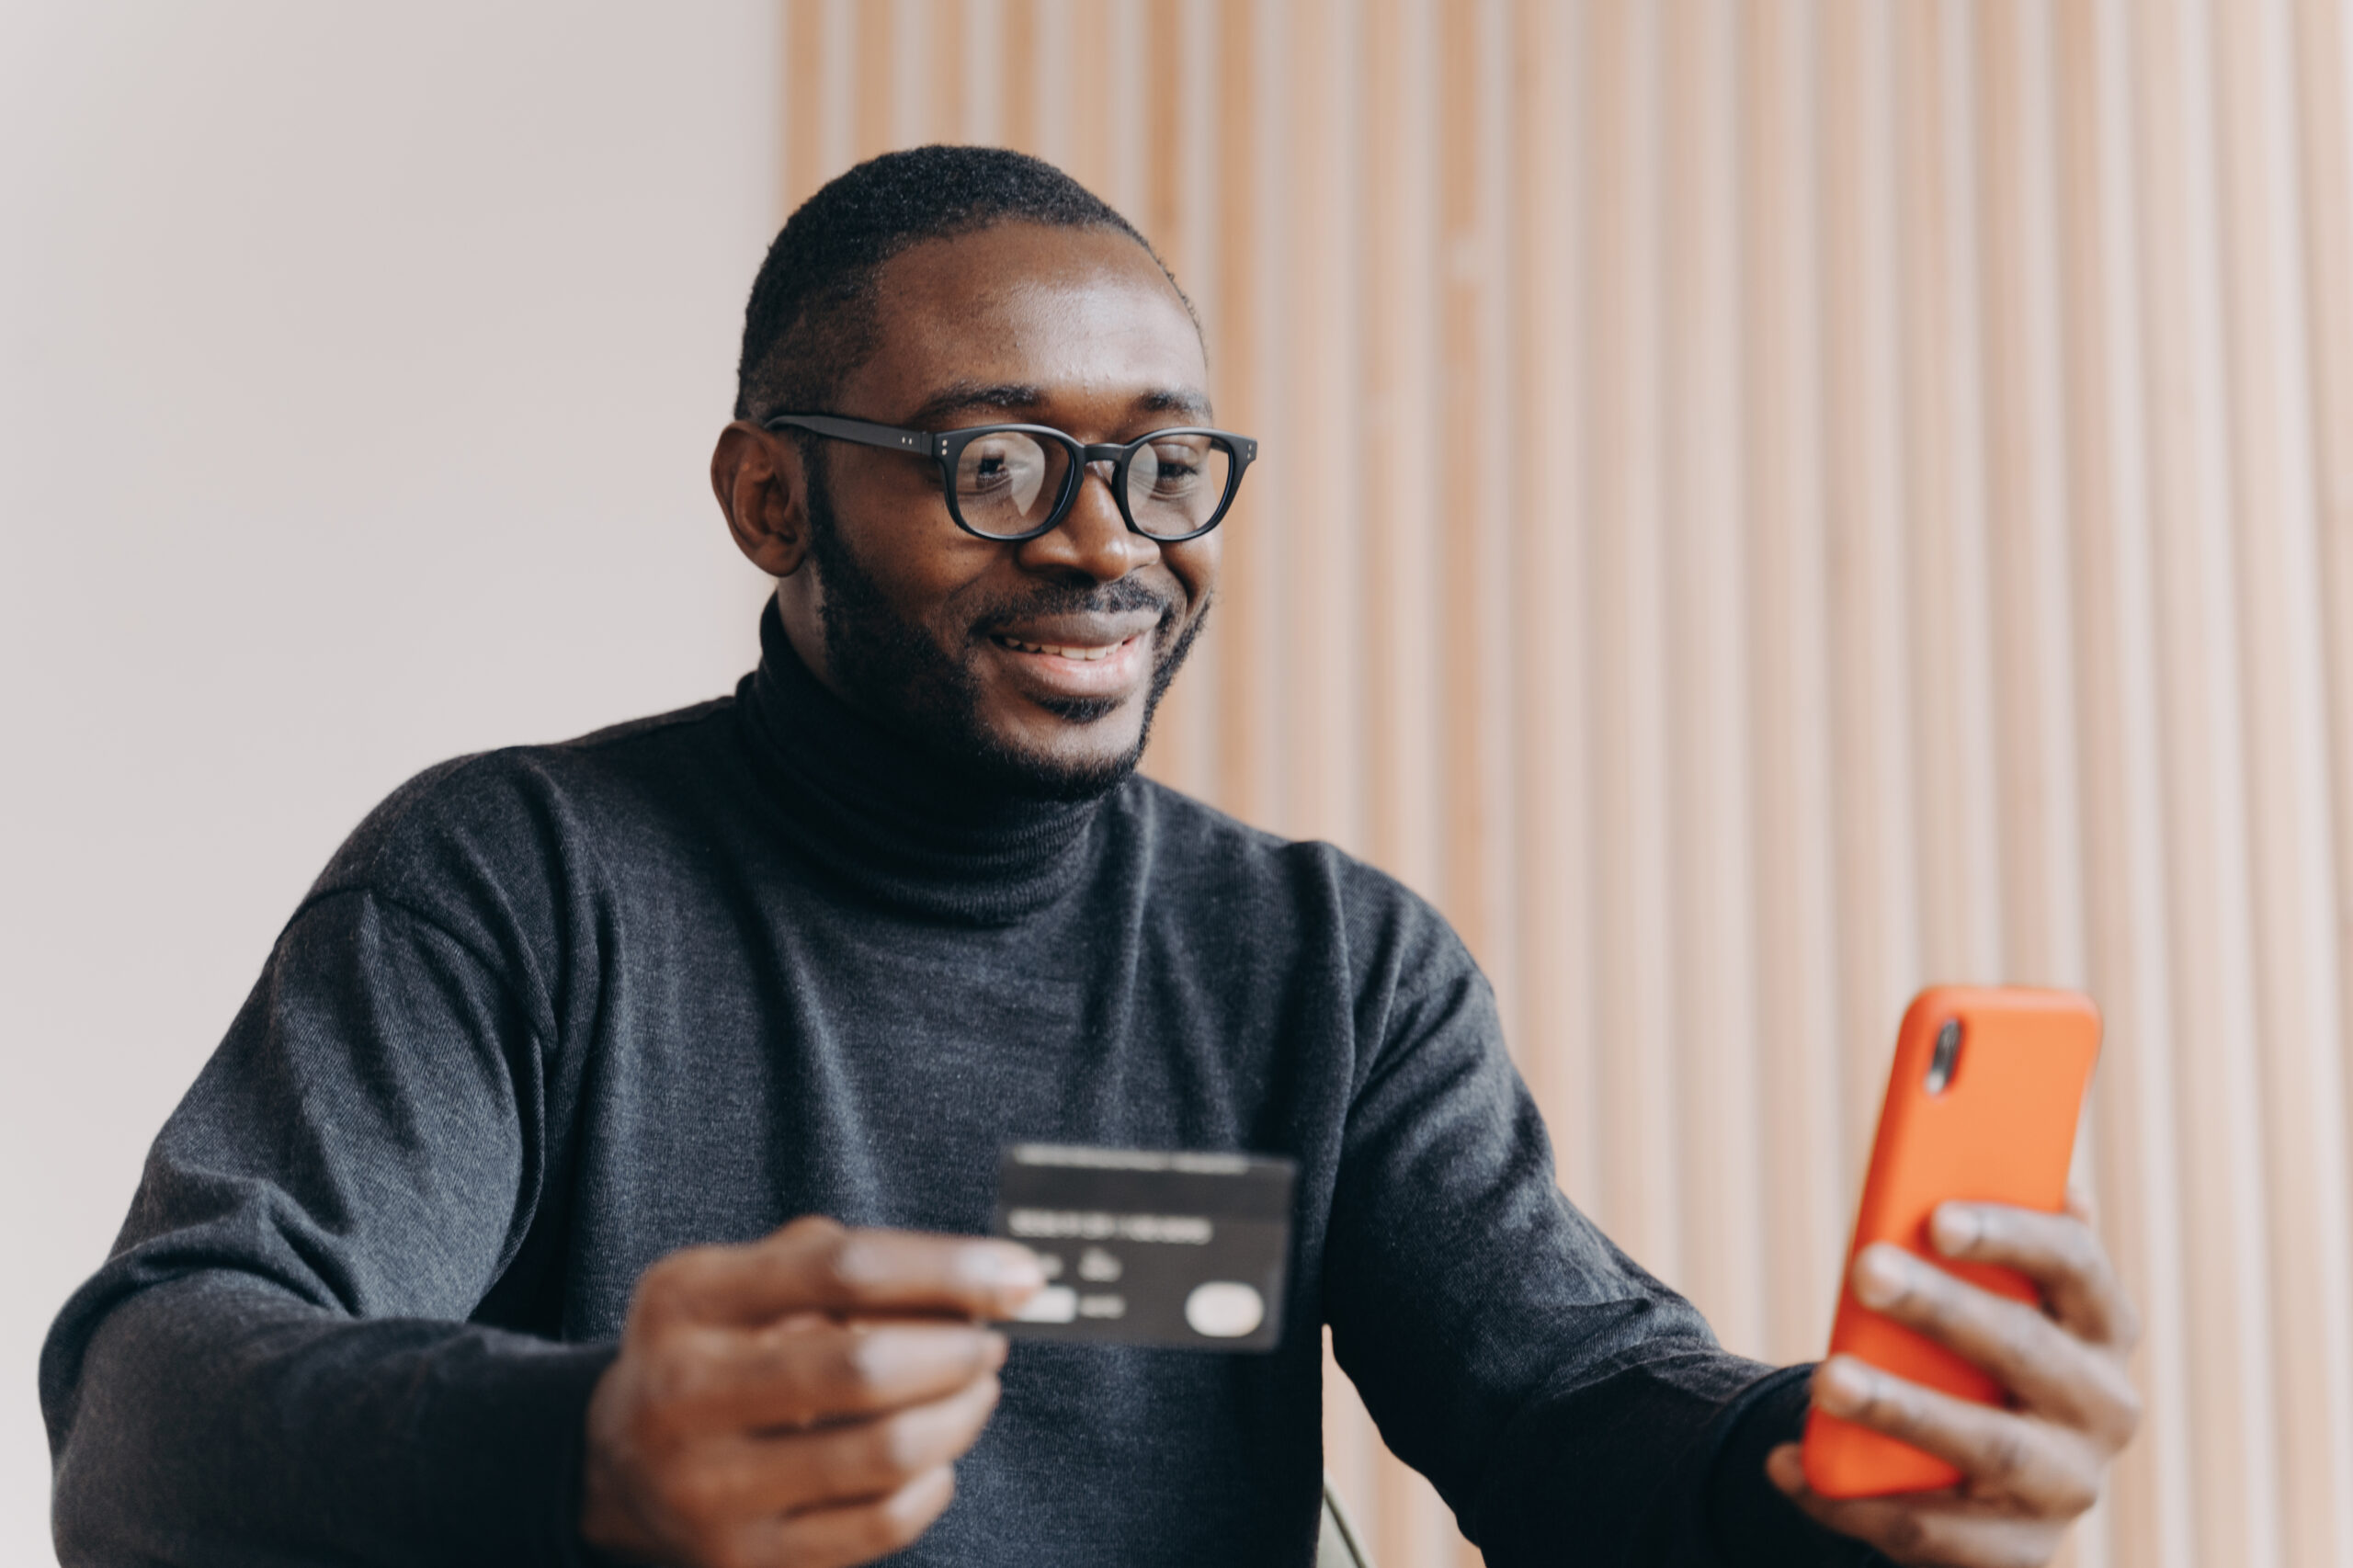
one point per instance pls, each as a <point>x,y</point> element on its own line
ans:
<point>1120,60</point>
<point>1871,763</point>
<point>1076,71</point>
<point>1016,35</point>
<point>986,77</point>
<point>1639,1193</point>
<point>2028,565</point>
<point>2323,50</point>
<point>1551,810</point>
<point>1783,682</point>
<point>805,153</point>
<point>1325,500</point>
<point>1463,480</point>
<point>874,48</point>
<point>913,106</point>
<point>1400,645</point>
<point>2025,463</point>
<point>1245,697</point>
<point>945,89</point>
<point>2132,1104</point>
<point>2284,748</point>
<point>1706,572</point>
<point>2226,1298</point>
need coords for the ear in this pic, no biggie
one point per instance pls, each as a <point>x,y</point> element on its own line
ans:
<point>762,487</point>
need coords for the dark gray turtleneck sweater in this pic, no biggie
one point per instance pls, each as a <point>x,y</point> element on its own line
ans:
<point>555,1011</point>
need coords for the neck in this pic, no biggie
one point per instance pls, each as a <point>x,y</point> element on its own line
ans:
<point>895,820</point>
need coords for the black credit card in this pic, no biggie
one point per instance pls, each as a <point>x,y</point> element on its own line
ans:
<point>1142,1246</point>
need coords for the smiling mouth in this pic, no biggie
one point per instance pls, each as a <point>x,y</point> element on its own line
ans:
<point>1083,653</point>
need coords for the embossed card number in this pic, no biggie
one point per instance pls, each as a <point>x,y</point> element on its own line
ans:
<point>1178,1249</point>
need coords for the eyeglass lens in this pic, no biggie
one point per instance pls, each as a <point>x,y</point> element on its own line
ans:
<point>1008,483</point>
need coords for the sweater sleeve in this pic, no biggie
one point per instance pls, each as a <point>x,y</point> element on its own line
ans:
<point>1566,1404</point>
<point>277,1365</point>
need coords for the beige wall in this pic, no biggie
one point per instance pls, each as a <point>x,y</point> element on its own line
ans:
<point>358,369</point>
<point>1767,504</point>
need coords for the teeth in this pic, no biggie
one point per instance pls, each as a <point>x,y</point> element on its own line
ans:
<point>1086,655</point>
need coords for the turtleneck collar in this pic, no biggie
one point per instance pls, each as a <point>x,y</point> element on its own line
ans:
<point>892,819</point>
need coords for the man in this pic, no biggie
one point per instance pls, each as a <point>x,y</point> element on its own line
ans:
<point>508,1224</point>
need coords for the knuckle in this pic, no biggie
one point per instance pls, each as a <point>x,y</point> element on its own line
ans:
<point>810,1228</point>
<point>807,1391</point>
<point>837,1261</point>
<point>833,1466</point>
<point>802,1372</point>
<point>1904,1534</point>
<point>2021,1337</point>
<point>2004,1456</point>
<point>864,1462</point>
<point>675,1380</point>
<point>1996,1231</point>
<point>1932,1299</point>
<point>1886,1406</point>
<point>861,1364</point>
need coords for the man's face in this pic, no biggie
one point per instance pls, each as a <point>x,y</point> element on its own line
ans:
<point>1041,661</point>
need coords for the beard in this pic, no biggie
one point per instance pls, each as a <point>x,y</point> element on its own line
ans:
<point>900,674</point>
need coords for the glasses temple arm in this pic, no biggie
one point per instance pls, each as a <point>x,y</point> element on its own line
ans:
<point>857,430</point>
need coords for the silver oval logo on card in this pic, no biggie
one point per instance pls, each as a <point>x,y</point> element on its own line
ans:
<point>1225,1309</point>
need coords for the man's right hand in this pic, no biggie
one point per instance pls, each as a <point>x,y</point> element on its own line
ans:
<point>798,1401</point>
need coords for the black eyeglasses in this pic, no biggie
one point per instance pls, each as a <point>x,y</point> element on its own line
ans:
<point>1016,482</point>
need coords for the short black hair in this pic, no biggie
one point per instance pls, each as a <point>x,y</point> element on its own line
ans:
<point>810,320</point>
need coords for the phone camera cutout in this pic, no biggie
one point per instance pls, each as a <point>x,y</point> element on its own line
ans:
<point>1941,1060</point>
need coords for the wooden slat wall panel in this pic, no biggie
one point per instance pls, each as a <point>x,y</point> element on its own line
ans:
<point>1767,504</point>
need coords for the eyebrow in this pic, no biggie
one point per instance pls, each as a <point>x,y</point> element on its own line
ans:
<point>1019,397</point>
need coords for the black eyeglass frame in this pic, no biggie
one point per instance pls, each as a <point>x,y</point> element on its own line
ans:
<point>947,446</point>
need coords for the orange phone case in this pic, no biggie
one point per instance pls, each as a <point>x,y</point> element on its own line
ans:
<point>2001,1130</point>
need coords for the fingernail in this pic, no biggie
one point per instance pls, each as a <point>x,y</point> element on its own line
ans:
<point>1007,1267</point>
<point>1955,1228</point>
<point>1841,1386</point>
<point>994,1348</point>
<point>1880,1276</point>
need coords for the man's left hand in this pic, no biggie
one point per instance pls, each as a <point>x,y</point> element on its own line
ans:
<point>2027,1470</point>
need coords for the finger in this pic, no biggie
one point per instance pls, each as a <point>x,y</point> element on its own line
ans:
<point>816,1265</point>
<point>2001,1454</point>
<point>859,1460</point>
<point>787,1376</point>
<point>2082,1204</point>
<point>1921,1528</point>
<point>2029,1355</point>
<point>859,1533</point>
<point>2059,1253</point>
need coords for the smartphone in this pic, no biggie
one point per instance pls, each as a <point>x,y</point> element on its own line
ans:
<point>1982,1105</point>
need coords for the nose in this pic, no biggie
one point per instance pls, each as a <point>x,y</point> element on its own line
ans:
<point>1092,539</point>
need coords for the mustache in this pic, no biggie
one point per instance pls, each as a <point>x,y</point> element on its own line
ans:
<point>1121,596</point>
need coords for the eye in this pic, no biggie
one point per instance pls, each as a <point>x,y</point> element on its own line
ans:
<point>1176,467</point>
<point>1003,475</point>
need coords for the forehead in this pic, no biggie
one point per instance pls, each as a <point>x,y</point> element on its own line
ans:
<point>1074,313</point>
